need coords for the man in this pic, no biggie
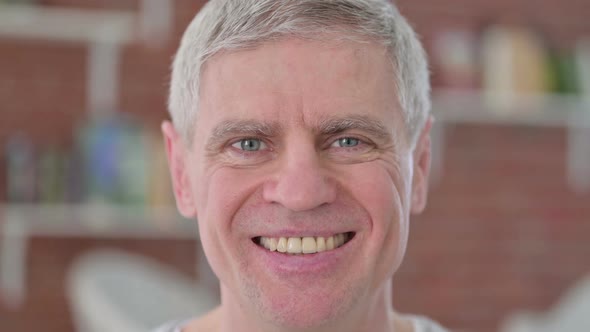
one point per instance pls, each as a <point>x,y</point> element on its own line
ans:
<point>300,143</point>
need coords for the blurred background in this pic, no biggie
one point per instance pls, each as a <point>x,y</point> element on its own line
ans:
<point>90,239</point>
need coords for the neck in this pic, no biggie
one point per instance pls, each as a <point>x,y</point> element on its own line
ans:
<point>373,313</point>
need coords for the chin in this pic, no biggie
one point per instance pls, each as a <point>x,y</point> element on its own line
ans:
<point>307,309</point>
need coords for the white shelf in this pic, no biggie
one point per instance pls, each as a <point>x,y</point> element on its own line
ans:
<point>66,24</point>
<point>18,223</point>
<point>469,107</point>
<point>93,220</point>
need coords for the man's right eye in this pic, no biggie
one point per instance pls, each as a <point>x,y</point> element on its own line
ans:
<point>249,145</point>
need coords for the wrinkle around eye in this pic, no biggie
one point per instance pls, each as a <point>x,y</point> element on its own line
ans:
<point>361,146</point>
<point>233,153</point>
<point>366,151</point>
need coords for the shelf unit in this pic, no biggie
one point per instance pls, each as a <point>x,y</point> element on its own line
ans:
<point>104,33</point>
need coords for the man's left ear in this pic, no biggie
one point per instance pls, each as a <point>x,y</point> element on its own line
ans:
<point>421,169</point>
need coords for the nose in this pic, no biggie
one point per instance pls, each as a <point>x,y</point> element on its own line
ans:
<point>301,182</point>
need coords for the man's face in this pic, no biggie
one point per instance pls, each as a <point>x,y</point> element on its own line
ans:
<point>299,139</point>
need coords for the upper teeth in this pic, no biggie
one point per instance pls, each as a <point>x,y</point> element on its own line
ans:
<point>303,245</point>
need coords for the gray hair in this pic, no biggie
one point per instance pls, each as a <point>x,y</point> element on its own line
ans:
<point>226,25</point>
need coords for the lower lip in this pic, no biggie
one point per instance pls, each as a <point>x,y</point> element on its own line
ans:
<point>281,263</point>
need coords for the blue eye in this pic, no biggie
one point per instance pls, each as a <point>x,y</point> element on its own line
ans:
<point>249,144</point>
<point>348,142</point>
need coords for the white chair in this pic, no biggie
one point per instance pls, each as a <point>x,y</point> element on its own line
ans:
<point>571,314</point>
<point>120,292</point>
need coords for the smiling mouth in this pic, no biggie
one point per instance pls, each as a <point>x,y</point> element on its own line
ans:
<point>303,245</point>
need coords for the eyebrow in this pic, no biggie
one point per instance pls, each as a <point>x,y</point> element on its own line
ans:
<point>242,128</point>
<point>333,126</point>
<point>328,126</point>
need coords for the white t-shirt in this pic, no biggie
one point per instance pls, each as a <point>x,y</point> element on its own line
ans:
<point>421,324</point>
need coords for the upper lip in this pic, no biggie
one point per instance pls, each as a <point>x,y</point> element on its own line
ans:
<point>292,233</point>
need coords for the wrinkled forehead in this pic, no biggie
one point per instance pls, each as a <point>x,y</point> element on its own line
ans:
<point>306,79</point>
<point>284,60</point>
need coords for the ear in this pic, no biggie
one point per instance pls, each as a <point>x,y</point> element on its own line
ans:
<point>421,169</point>
<point>178,164</point>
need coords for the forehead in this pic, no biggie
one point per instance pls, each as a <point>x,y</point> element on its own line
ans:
<point>299,80</point>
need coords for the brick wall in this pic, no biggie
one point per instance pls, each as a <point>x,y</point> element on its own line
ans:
<point>502,230</point>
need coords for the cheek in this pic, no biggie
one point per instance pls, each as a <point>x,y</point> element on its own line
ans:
<point>219,195</point>
<point>385,195</point>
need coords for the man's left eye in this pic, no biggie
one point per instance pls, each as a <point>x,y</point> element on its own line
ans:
<point>346,142</point>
